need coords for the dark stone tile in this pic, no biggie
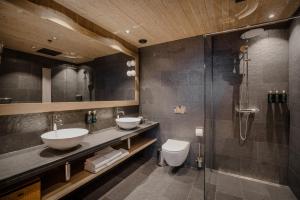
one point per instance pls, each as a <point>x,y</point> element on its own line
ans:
<point>210,191</point>
<point>229,185</point>
<point>177,191</point>
<point>249,195</point>
<point>268,172</point>
<point>294,182</point>
<point>224,196</point>
<point>186,175</point>
<point>280,192</point>
<point>227,164</point>
<point>272,153</point>
<point>248,167</point>
<point>122,190</point>
<point>196,194</point>
<point>249,187</point>
<point>294,139</point>
<point>199,181</point>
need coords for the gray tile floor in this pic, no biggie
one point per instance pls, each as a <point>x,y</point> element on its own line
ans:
<point>221,186</point>
<point>162,183</point>
<point>144,180</point>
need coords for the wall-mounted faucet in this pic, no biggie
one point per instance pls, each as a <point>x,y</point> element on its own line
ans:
<point>119,112</point>
<point>56,120</point>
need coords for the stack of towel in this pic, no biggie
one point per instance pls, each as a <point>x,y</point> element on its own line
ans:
<point>103,159</point>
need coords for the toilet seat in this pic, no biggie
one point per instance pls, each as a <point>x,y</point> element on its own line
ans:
<point>175,145</point>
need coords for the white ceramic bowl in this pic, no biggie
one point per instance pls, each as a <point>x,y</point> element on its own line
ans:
<point>64,138</point>
<point>128,122</point>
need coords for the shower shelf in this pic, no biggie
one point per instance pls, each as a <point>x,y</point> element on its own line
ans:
<point>247,110</point>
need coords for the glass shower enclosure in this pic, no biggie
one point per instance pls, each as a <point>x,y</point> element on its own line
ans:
<point>248,79</point>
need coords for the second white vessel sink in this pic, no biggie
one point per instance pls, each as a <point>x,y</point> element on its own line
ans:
<point>128,122</point>
<point>64,138</point>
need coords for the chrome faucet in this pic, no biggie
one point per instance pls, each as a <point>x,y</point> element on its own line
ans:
<point>119,112</point>
<point>56,121</point>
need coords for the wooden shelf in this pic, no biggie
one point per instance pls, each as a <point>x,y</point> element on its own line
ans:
<point>61,189</point>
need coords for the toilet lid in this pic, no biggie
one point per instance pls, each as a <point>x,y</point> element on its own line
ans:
<point>175,145</point>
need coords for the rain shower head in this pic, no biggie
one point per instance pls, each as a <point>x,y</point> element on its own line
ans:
<point>252,33</point>
<point>243,48</point>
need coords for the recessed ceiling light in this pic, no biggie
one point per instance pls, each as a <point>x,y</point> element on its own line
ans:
<point>54,38</point>
<point>271,16</point>
<point>127,31</point>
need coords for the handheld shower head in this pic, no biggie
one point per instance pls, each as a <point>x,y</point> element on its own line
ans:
<point>243,48</point>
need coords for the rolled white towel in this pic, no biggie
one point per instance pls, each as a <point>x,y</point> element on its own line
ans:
<point>96,159</point>
<point>92,169</point>
<point>105,151</point>
<point>99,163</point>
<point>112,155</point>
<point>99,156</point>
<point>122,155</point>
<point>99,160</point>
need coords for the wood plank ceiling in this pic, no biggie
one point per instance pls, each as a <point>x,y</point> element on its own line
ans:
<point>161,21</point>
<point>121,23</point>
<point>23,31</point>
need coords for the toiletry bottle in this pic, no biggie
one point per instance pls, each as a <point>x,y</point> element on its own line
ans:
<point>284,97</point>
<point>270,94</point>
<point>94,116</point>
<point>280,97</point>
<point>88,117</point>
<point>276,96</point>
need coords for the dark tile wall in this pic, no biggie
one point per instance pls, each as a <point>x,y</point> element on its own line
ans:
<point>103,79</point>
<point>111,80</point>
<point>265,152</point>
<point>294,104</point>
<point>21,76</point>
<point>23,131</point>
<point>70,81</point>
<point>173,74</point>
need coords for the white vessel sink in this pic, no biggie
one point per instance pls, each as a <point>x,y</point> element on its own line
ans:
<point>128,122</point>
<point>64,138</point>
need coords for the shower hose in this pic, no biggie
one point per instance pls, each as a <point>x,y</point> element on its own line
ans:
<point>243,136</point>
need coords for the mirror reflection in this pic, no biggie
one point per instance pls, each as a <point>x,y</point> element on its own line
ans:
<point>106,78</point>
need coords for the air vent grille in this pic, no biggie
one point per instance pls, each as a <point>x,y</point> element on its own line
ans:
<point>49,52</point>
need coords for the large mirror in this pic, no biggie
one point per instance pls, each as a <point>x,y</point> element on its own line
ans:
<point>27,78</point>
<point>56,59</point>
<point>103,79</point>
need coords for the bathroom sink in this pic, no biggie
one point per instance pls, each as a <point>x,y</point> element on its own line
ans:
<point>128,122</point>
<point>64,138</point>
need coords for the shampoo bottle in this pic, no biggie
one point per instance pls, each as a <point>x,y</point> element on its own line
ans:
<point>270,96</point>
<point>284,97</point>
<point>276,96</point>
<point>88,117</point>
<point>94,116</point>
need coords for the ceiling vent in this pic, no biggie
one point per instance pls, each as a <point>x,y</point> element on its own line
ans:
<point>49,52</point>
<point>239,1</point>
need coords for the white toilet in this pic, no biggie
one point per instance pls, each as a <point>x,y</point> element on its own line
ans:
<point>175,152</point>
